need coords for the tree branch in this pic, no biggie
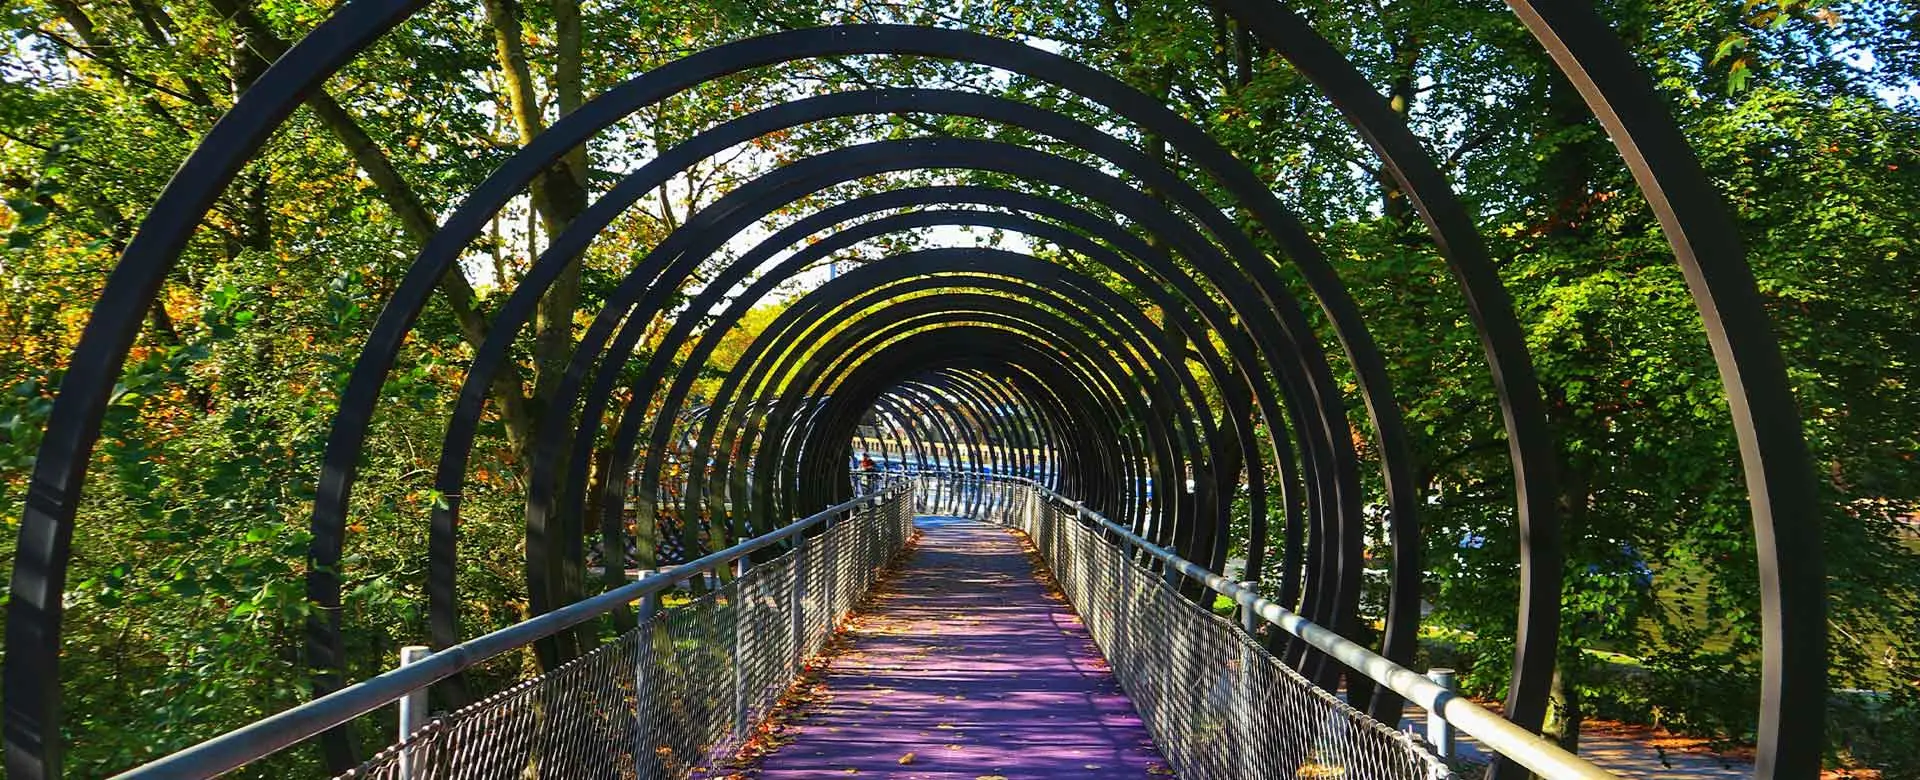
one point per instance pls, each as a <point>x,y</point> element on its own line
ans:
<point>161,31</point>
<point>99,54</point>
<point>416,220</point>
<point>559,194</point>
<point>1473,142</point>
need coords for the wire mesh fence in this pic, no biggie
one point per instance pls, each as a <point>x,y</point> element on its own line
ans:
<point>676,696</point>
<point>1216,702</point>
<point>966,494</point>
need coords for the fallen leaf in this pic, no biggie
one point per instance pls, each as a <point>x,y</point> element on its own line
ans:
<point>906,759</point>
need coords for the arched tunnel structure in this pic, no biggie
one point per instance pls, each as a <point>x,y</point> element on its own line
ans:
<point>1167,368</point>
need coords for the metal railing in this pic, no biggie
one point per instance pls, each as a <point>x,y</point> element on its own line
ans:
<point>1082,546</point>
<point>675,696</point>
<point>684,687</point>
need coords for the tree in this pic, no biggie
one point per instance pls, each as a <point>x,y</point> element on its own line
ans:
<point>187,581</point>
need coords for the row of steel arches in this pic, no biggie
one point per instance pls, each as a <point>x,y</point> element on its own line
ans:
<point>1094,374</point>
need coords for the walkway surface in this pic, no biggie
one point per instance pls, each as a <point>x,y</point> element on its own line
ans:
<point>966,667</point>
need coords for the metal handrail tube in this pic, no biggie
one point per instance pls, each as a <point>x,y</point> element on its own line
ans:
<point>1503,736</point>
<point>270,735</point>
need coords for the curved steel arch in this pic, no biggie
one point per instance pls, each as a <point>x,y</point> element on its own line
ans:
<point>780,458</point>
<point>1151,363</point>
<point>1055,381</point>
<point>938,345</point>
<point>1021,443</point>
<point>643,387</point>
<point>646,387</point>
<point>1330,602</point>
<point>776,339</point>
<point>1156,366</point>
<point>1103,444</point>
<point>1778,473</point>
<point>920,312</point>
<point>911,154</point>
<point>1009,221</point>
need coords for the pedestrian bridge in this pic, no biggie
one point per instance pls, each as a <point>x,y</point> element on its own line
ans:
<point>962,665</point>
<point>1166,374</point>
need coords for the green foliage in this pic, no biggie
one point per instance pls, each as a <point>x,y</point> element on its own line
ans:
<point>187,604</point>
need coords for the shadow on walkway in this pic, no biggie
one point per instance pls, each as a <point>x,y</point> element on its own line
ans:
<point>964,667</point>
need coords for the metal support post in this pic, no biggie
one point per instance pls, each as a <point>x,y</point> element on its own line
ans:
<point>646,759</point>
<point>1439,731</point>
<point>830,596</point>
<point>413,710</point>
<point>1126,620</point>
<point>739,601</point>
<point>1249,622</point>
<point>798,601</point>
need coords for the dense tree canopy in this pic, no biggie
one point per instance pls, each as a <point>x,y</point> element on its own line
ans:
<point>187,605</point>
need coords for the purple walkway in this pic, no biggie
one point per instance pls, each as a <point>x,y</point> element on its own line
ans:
<point>965,662</point>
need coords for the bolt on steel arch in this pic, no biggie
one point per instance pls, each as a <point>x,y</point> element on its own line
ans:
<point>1008,362</point>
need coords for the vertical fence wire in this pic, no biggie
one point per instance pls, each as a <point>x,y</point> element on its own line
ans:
<point>678,695</point>
<point>1216,702</point>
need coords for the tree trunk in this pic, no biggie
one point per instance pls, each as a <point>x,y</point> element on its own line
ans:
<point>559,195</point>
<point>1563,708</point>
<point>415,218</point>
<point>1400,96</point>
<point>1568,178</point>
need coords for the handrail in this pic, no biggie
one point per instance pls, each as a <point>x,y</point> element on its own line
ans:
<point>270,735</point>
<point>1503,736</point>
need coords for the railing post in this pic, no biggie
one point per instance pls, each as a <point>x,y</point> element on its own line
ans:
<point>646,759</point>
<point>798,598</point>
<point>1439,731</point>
<point>1124,634</point>
<point>1249,622</point>
<point>863,519</point>
<point>830,532</point>
<point>740,725</point>
<point>876,534</point>
<point>1247,695</point>
<point>413,710</point>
